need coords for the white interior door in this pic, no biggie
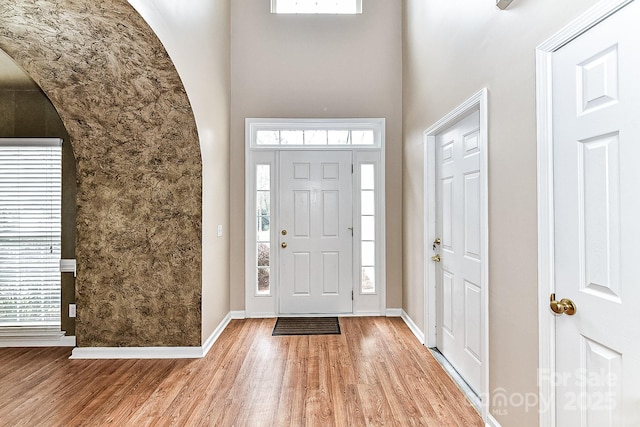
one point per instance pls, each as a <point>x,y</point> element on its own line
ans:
<point>316,232</point>
<point>458,273</point>
<point>596,148</point>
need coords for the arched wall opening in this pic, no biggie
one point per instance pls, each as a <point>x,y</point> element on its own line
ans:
<point>26,112</point>
<point>139,173</point>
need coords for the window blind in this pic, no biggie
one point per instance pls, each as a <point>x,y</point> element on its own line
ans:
<point>30,232</point>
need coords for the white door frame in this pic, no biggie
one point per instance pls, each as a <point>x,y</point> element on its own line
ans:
<point>544,111</point>
<point>364,304</point>
<point>478,102</point>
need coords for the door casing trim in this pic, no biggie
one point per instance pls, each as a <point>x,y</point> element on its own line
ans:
<point>477,102</point>
<point>546,272</point>
<point>370,304</point>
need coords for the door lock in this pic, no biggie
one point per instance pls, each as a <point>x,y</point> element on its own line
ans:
<point>436,242</point>
<point>564,306</point>
<point>283,244</point>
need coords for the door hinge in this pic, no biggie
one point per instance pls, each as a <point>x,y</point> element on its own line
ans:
<point>351,295</point>
<point>351,167</point>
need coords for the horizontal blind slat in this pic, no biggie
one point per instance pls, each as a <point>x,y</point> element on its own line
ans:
<point>30,232</point>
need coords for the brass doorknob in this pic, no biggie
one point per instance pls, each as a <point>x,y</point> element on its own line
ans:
<point>564,306</point>
<point>283,244</point>
<point>436,258</point>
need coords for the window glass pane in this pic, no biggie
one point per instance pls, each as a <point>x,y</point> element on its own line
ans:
<point>264,234</point>
<point>346,6</point>
<point>367,181</point>
<point>367,201</point>
<point>285,6</point>
<point>368,228</point>
<point>362,137</point>
<point>263,280</point>
<point>291,137</point>
<point>368,284</point>
<point>338,137</point>
<point>263,178</point>
<point>267,137</point>
<point>306,6</point>
<point>315,137</point>
<point>263,202</point>
<point>316,6</point>
<point>263,254</point>
<point>368,253</point>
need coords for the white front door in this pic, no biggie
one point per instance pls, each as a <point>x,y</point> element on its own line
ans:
<point>596,148</point>
<point>316,232</point>
<point>458,273</point>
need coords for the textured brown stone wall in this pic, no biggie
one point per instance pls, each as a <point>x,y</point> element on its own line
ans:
<point>138,166</point>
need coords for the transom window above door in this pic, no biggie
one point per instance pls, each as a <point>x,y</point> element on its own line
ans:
<point>345,7</point>
<point>315,132</point>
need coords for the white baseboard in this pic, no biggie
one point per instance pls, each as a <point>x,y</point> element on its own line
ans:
<point>56,341</point>
<point>156,352</point>
<point>412,326</point>
<point>208,343</point>
<point>492,422</point>
<point>136,353</point>
<point>394,312</point>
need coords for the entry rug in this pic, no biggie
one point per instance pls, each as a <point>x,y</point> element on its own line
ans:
<point>307,326</point>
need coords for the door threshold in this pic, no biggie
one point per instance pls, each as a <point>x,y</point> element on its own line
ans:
<point>474,399</point>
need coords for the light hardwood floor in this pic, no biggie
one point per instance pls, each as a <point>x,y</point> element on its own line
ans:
<point>376,374</point>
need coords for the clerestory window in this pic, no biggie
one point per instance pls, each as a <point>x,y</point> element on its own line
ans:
<point>343,7</point>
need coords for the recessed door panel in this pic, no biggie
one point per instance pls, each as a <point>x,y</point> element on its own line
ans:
<point>330,213</point>
<point>301,273</point>
<point>599,195</point>
<point>301,214</point>
<point>330,273</point>
<point>472,215</point>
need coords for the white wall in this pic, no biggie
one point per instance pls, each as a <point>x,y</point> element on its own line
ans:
<point>311,66</point>
<point>195,34</point>
<point>451,50</point>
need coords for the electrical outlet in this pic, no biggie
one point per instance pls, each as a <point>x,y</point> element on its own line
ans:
<point>72,310</point>
<point>219,231</point>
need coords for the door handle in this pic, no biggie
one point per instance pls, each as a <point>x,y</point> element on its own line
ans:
<point>283,244</point>
<point>436,258</point>
<point>564,306</point>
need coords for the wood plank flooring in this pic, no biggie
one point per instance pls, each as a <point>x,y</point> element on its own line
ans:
<point>375,374</point>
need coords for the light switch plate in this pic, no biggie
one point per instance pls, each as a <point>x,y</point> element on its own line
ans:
<point>219,231</point>
<point>72,310</point>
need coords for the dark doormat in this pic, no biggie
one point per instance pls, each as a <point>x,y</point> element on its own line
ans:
<point>307,326</point>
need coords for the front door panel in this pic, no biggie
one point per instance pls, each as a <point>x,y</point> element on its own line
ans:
<point>315,236</point>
